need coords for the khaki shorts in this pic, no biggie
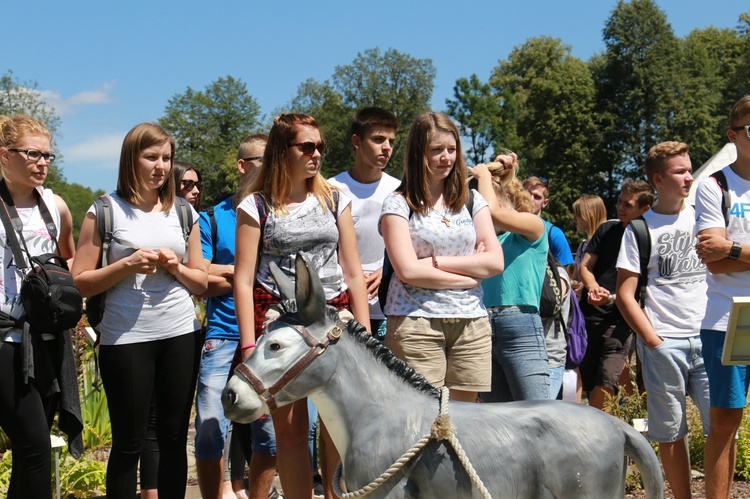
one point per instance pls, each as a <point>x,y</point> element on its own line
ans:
<point>456,353</point>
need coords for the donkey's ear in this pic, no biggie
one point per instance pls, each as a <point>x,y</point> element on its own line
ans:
<point>311,298</point>
<point>285,285</point>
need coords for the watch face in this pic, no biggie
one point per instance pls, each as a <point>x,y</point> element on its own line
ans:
<point>735,251</point>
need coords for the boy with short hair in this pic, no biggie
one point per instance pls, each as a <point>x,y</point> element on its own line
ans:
<point>538,187</point>
<point>668,326</point>
<point>724,245</point>
<point>373,136</point>
<point>609,334</point>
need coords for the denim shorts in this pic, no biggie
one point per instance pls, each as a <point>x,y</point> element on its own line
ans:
<point>264,437</point>
<point>727,384</point>
<point>211,425</point>
<point>672,371</point>
<point>450,352</point>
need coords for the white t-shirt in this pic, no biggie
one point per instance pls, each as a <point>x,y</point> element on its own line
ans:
<point>145,307</point>
<point>709,214</point>
<point>38,241</point>
<point>306,228</point>
<point>367,202</point>
<point>429,235</point>
<point>676,290</point>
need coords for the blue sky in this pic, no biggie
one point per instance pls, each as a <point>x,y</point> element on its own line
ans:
<point>107,65</point>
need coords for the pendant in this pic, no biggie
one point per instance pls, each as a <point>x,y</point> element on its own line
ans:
<point>446,221</point>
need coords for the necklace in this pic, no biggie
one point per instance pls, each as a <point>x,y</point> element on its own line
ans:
<point>444,217</point>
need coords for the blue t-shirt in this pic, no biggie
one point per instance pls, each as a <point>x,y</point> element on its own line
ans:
<point>222,319</point>
<point>521,281</point>
<point>558,244</point>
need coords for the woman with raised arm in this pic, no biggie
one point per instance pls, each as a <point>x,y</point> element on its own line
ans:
<point>30,398</point>
<point>441,243</point>
<point>290,208</point>
<point>149,333</point>
<point>519,355</point>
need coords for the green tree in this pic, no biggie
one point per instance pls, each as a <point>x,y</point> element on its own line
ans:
<point>18,97</point>
<point>208,126</point>
<point>549,97</point>
<point>392,80</point>
<point>24,97</point>
<point>477,111</point>
<point>637,85</point>
<point>709,58</point>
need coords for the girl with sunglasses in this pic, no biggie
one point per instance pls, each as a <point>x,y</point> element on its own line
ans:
<point>149,334</point>
<point>290,208</point>
<point>441,246</point>
<point>188,183</point>
<point>29,400</point>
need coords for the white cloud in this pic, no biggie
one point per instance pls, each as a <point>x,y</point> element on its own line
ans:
<point>68,105</point>
<point>104,149</point>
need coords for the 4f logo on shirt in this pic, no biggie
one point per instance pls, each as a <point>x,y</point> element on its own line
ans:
<point>739,223</point>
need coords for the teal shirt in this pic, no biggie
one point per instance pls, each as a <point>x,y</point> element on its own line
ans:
<point>521,281</point>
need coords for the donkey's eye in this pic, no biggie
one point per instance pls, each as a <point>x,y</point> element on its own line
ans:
<point>275,346</point>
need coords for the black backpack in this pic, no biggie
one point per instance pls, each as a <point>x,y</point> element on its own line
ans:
<point>104,214</point>
<point>385,280</point>
<point>550,301</point>
<point>643,242</point>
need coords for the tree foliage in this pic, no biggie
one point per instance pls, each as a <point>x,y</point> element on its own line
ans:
<point>552,95</point>
<point>637,89</point>
<point>477,112</point>
<point>18,97</point>
<point>24,97</point>
<point>208,126</point>
<point>392,80</point>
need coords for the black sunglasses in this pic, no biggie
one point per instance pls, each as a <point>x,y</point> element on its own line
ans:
<point>252,158</point>
<point>189,184</point>
<point>308,148</point>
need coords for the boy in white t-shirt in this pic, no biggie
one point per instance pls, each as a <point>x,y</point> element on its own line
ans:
<point>373,137</point>
<point>724,245</point>
<point>668,325</point>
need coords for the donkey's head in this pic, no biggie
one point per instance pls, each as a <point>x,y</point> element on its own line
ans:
<point>269,377</point>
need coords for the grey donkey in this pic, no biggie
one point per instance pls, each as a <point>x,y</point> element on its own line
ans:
<point>376,407</point>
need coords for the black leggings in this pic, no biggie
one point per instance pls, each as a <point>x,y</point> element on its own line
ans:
<point>26,417</point>
<point>166,369</point>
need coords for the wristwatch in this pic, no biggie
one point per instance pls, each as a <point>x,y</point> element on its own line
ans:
<point>735,251</point>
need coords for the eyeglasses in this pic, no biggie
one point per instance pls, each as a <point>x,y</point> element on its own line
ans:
<point>308,148</point>
<point>34,155</point>
<point>189,184</point>
<point>744,127</point>
<point>252,158</point>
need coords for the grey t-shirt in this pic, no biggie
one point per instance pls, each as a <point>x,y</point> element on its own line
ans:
<point>306,228</point>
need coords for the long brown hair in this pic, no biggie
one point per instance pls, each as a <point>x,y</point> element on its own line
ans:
<point>414,186</point>
<point>274,180</point>
<point>129,178</point>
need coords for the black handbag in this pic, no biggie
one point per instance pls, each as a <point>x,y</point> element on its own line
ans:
<point>49,295</point>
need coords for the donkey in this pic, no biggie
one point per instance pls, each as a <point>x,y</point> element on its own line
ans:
<point>376,407</point>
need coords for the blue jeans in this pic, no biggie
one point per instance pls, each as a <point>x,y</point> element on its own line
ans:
<point>519,356</point>
<point>555,381</point>
<point>211,425</point>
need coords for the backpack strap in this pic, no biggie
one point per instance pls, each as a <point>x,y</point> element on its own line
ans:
<point>14,226</point>
<point>721,179</point>
<point>214,229</point>
<point>104,215</point>
<point>643,242</point>
<point>470,203</point>
<point>185,214</point>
